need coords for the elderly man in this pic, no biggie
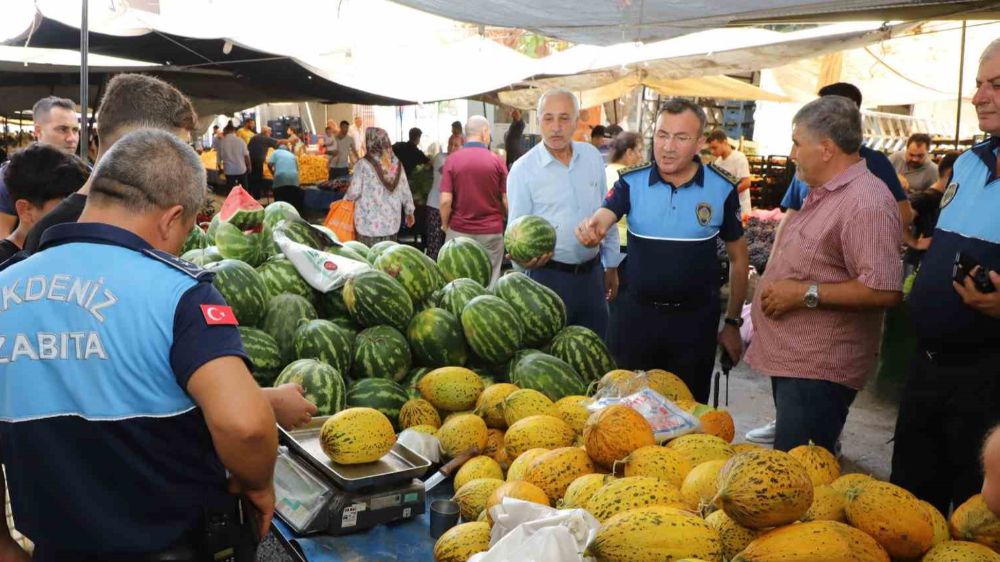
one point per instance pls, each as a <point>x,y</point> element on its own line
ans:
<point>914,164</point>
<point>563,181</point>
<point>357,132</point>
<point>474,192</point>
<point>833,272</point>
<point>952,393</point>
<point>233,158</point>
<point>668,316</point>
<point>178,425</point>
<point>56,124</point>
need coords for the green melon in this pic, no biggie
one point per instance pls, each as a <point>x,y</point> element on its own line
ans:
<point>243,289</point>
<point>412,378</point>
<point>463,257</point>
<point>326,341</point>
<point>264,354</point>
<point>358,248</point>
<point>280,276</point>
<point>381,352</point>
<point>196,240</point>
<point>584,350</point>
<point>202,256</point>
<point>323,385</point>
<point>241,210</point>
<point>374,298</point>
<point>332,306</point>
<point>540,309</point>
<point>213,226</point>
<point>518,355</point>
<point>549,375</point>
<point>379,247</point>
<point>436,339</point>
<point>383,395</point>
<point>235,244</point>
<point>416,272</point>
<point>346,252</point>
<point>282,316</point>
<point>298,230</point>
<point>492,329</point>
<point>277,212</point>
<point>456,294</point>
<point>528,237</point>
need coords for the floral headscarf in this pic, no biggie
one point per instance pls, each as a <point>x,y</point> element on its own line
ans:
<point>379,155</point>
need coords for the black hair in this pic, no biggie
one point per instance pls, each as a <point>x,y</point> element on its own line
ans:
<point>843,89</point>
<point>718,135</point>
<point>947,163</point>
<point>345,123</point>
<point>919,138</point>
<point>598,131</point>
<point>614,130</point>
<point>40,173</point>
<point>415,132</point>
<point>622,143</point>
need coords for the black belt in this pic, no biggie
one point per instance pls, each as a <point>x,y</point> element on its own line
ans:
<point>670,305</point>
<point>573,268</point>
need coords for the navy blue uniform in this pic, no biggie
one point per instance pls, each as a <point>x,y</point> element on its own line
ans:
<point>952,394</point>
<point>667,313</point>
<point>106,452</point>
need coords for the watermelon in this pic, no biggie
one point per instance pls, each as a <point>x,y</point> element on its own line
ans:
<point>196,240</point>
<point>384,395</point>
<point>492,328</point>
<point>549,375</point>
<point>241,210</point>
<point>377,248</point>
<point>235,244</point>
<point>436,339</point>
<point>332,235</point>
<point>282,316</point>
<point>358,247</point>
<point>456,294</point>
<point>263,353</point>
<point>213,226</point>
<point>528,237</point>
<point>345,252</point>
<point>268,246</point>
<point>280,276</point>
<point>381,352</point>
<point>416,272</point>
<point>347,323</point>
<point>518,355</point>
<point>374,298</point>
<point>326,341</point>
<point>202,256</point>
<point>331,304</point>
<point>464,257</point>
<point>298,230</point>
<point>243,289</point>
<point>277,212</point>
<point>540,309</point>
<point>323,385</point>
<point>412,378</point>
<point>584,350</point>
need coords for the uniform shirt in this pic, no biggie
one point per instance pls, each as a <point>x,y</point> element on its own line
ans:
<point>919,178</point>
<point>968,223</point>
<point>538,184</point>
<point>878,164</point>
<point>477,180</point>
<point>286,168</point>
<point>68,210</point>
<point>105,450</point>
<point>232,152</point>
<point>848,229</point>
<point>739,167</point>
<point>672,229</point>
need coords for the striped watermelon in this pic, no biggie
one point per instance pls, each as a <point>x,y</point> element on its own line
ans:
<point>381,352</point>
<point>282,317</point>
<point>379,247</point>
<point>549,375</point>
<point>280,276</point>
<point>346,252</point>
<point>416,272</point>
<point>456,294</point>
<point>540,309</point>
<point>359,248</point>
<point>492,328</point>
<point>518,355</point>
<point>436,339</point>
<point>213,226</point>
<point>279,211</point>
<point>322,384</point>
<point>196,240</point>
<point>412,378</point>
<point>331,304</point>
<point>326,341</point>
<point>528,237</point>
<point>384,395</point>
<point>235,244</point>
<point>374,298</point>
<point>298,230</point>
<point>243,289</point>
<point>464,257</point>
<point>203,256</point>
<point>264,354</point>
<point>584,350</point>
<point>241,210</point>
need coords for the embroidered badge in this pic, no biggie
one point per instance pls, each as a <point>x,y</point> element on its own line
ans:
<point>949,194</point>
<point>216,315</point>
<point>704,213</point>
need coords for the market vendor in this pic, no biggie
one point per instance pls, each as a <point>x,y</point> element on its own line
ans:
<point>667,314</point>
<point>127,393</point>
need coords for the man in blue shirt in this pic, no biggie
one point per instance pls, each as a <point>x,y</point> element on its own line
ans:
<point>667,316</point>
<point>564,182</point>
<point>129,414</point>
<point>952,393</point>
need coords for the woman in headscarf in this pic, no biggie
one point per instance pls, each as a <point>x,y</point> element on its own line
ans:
<point>380,191</point>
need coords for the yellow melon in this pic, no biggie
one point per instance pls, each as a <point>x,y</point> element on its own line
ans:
<point>764,488</point>
<point>848,484</point>
<point>525,403</point>
<point>471,497</point>
<point>701,485</point>
<point>941,530</point>
<point>698,448</point>
<point>735,537</point>
<point>518,489</point>
<point>740,447</point>
<point>477,467</point>
<point>815,541</point>
<point>494,446</point>
<point>668,384</point>
<point>822,466</point>
<point>462,433</point>
<point>827,505</point>
<point>623,494</point>
<point>973,521</point>
<point>580,490</point>
<point>555,470</point>
<point>460,542</point>
<point>613,433</point>
<point>573,412</point>
<point>451,388</point>
<point>657,462</point>
<point>893,517</point>
<point>489,405</point>
<point>655,534</point>
<point>548,432</point>
<point>520,465</point>
<point>960,551</point>
<point>418,411</point>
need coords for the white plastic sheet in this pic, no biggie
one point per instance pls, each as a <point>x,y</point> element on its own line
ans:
<point>530,532</point>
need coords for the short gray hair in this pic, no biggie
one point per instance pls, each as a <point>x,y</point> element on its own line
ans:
<point>40,111</point>
<point>676,106</point>
<point>149,170</point>
<point>832,117</point>
<point>476,125</point>
<point>553,92</point>
<point>991,50</point>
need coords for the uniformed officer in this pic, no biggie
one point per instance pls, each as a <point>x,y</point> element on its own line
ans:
<point>667,316</point>
<point>126,393</point>
<point>952,394</point>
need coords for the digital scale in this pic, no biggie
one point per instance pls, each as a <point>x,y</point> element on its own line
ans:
<point>315,495</point>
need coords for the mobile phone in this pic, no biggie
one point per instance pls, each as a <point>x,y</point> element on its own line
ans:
<point>964,266</point>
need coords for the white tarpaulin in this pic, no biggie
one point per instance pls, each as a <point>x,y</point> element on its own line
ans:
<point>29,59</point>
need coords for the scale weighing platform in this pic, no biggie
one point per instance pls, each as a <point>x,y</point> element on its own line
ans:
<point>316,495</point>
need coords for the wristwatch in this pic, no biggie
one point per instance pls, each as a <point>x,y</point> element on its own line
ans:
<point>811,298</point>
<point>736,322</point>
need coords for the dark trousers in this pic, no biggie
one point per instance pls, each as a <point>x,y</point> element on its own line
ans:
<point>339,172</point>
<point>809,410</point>
<point>234,179</point>
<point>293,195</point>
<point>583,294</point>
<point>256,185</point>
<point>947,407</point>
<point>642,335</point>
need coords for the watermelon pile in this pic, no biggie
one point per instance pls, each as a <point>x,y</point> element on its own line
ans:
<point>368,343</point>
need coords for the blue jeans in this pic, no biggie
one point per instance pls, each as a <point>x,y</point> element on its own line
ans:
<point>809,410</point>
<point>583,294</point>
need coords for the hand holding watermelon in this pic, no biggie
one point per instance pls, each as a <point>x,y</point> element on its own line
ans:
<point>291,408</point>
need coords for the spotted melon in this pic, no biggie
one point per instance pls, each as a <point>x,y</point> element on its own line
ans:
<point>573,411</point>
<point>828,505</point>
<point>893,517</point>
<point>547,432</point>
<point>764,488</point>
<point>519,466</point>
<point>459,543</point>
<point>418,411</point>
<point>489,405</point>
<point>657,462</point>
<point>611,434</point>
<point>816,541</point>
<point>471,497</point>
<point>462,433</point>
<point>699,448</point>
<point>356,436</point>
<point>477,467</point>
<point>822,466</point>
<point>973,521</point>
<point>734,537</point>
<point>655,534</point>
<point>555,470</point>
<point>701,485</point>
<point>526,402</point>
<point>580,490</point>
<point>633,492</point>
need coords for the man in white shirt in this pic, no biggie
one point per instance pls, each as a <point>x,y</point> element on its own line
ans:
<point>734,162</point>
<point>357,132</point>
<point>340,150</point>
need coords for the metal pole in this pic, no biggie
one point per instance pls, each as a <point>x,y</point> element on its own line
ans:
<point>961,73</point>
<point>84,84</point>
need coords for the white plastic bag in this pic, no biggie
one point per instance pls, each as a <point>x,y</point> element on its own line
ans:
<point>667,419</point>
<point>529,532</point>
<point>425,445</point>
<point>323,271</point>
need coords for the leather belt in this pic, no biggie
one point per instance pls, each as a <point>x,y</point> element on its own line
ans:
<point>573,268</point>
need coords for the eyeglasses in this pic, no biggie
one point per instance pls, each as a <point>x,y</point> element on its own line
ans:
<point>681,138</point>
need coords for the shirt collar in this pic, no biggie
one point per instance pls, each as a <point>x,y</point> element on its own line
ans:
<point>698,178</point>
<point>477,144</point>
<point>545,157</point>
<point>987,153</point>
<point>93,232</point>
<point>847,176</point>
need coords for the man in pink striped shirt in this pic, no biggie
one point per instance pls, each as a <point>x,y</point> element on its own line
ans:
<point>835,269</point>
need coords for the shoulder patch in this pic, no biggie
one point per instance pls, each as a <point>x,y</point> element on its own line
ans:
<point>637,167</point>
<point>191,270</point>
<point>724,173</point>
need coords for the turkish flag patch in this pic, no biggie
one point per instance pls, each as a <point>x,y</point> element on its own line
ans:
<point>216,314</point>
